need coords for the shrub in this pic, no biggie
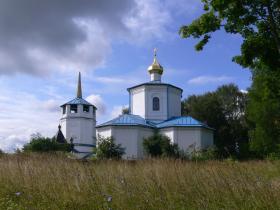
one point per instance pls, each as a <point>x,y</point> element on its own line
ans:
<point>45,144</point>
<point>209,154</point>
<point>107,149</point>
<point>2,152</point>
<point>160,146</point>
<point>273,156</point>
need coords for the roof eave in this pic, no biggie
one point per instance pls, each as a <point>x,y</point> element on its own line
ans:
<point>120,125</point>
<point>154,84</point>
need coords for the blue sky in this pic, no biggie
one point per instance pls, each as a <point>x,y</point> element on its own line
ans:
<point>112,45</point>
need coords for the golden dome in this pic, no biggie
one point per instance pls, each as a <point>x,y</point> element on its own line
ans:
<point>155,67</point>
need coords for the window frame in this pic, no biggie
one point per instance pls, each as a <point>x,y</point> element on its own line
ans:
<point>156,103</point>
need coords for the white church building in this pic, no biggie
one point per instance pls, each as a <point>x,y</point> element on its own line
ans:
<point>153,106</point>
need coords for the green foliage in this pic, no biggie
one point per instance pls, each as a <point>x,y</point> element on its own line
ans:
<point>273,156</point>
<point>43,144</point>
<point>264,113</point>
<point>107,149</point>
<point>125,110</point>
<point>203,155</point>
<point>223,110</point>
<point>159,145</point>
<point>257,21</point>
<point>2,152</point>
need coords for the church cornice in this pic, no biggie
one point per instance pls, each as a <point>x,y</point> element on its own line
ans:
<point>153,84</point>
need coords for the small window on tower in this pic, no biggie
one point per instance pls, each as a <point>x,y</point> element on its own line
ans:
<point>86,108</point>
<point>156,104</point>
<point>64,109</point>
<point>73,108</point>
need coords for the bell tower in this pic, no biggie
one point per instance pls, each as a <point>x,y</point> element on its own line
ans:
<point>78,123</point>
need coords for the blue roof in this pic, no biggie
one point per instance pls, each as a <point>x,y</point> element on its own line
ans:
<point>182,122</point>
<point>78,101</point>
<point>129,120</point>
<point>135,120</point>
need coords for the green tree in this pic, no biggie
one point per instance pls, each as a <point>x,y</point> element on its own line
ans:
<point>159,145</point>
<point>264,113</point>
<point>1,152</point>
<point>223,110</point>
<point>38,143</point>
<point>125,110</point>
<point>257,21</point>
<point>108,149</point>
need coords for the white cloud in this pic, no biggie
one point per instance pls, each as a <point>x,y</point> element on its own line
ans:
<point>51,105</point>
<point>12,142</point>
<point>117,80</point>
<point>244,91</point>
<point>98,102</point>
<point>78,35</point>
<point>204,80</point>
<point>148,20</point>
<point>74,36</point>
<point>82,56</point>
<point>111,80</point>
<point>117,110</point>
<point>23,114</point>
<point>153,19</point>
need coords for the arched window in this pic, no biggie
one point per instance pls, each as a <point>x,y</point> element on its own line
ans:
<point>155,104</point>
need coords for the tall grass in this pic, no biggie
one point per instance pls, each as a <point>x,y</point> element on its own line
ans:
<point>56,182</point>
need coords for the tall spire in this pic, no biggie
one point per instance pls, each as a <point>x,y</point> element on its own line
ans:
<point>79,87</point>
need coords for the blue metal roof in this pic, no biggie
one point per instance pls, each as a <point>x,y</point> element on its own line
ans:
<point>135,120</point>
<point>129,120</point>
<point>78,101</point>
<point>182,122</point>
<point>155,83</point>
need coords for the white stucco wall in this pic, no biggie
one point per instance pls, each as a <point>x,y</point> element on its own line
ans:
<point>207,138</point>
<point>137,101</point>
<point>189,138</point>
<point>130,137</point>
<point>161,93</point>
<point>155,76</point>
<point>169,132</point>
<point>141,102</point>
<point>79,126</point>
<point>174,102</point>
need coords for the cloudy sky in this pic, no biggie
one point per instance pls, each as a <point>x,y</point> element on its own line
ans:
<point>44,44</point>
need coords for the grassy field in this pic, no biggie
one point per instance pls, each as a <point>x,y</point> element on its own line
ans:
<point>56,182</point>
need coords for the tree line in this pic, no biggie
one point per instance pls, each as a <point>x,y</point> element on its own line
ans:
<point>258,23</point>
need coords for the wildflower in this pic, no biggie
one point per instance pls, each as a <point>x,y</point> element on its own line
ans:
<point>109,198</point>
<point>18,193</point>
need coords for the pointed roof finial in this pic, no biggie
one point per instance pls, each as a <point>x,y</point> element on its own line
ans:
<point>79,87</point>
<point>155,67</point>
